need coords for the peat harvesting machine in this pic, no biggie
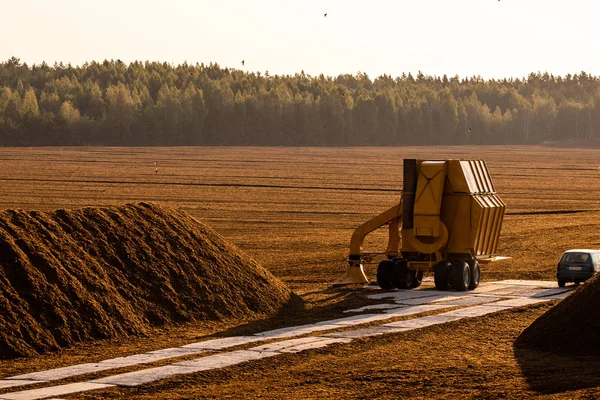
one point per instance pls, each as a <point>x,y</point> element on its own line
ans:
<point>447,222</point>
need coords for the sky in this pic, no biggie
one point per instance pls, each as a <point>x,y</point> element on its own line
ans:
<point>490,38</point>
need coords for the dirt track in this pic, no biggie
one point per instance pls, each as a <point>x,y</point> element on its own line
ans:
<point>294,210</point>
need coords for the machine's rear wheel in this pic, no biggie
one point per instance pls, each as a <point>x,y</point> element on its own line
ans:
<point>441,275</point>
<point>562,283</point>
<point>475,274</point>
<point>401,277</point>
<point>461,276</point>
<point>385,270</point>
<point>417,279</point>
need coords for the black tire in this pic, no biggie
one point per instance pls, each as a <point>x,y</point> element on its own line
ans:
<point>461,276</point>
<point>417,279</point>
<point>401,277</point>
<point>577,283</point>
<point>441,275</point>
<point>384,274</point>
<point>475,274</point>
<point>562,283</point>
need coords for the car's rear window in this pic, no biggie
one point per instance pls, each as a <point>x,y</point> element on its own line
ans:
<point>576,257</point>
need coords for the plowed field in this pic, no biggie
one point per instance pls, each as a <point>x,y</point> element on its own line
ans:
<point>293,210</point>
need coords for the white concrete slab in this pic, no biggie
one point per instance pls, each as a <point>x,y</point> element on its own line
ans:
<point>487,287</point>
<point>553,292</point>
<point>520,282</point>
<point>406,294</point>
<point>366,332</point>
<point>423,321</point>
<point>298,345</point>
<point>145,376</point>
<point>476,311</point>
<point>135,359</point>
<point>357,320</point>
<point>429,299</point>
<point>6,383</point>
<point>63,372</point>
<point>278,346</point>
<point>225,359</point>
<point>557,296</point>
<point>112,363</point>
<point>222,360</point>
<point>53,391</point>
<point>372,307</point>
<point>296,330</point>
<point>468,300</point>
<point>301,344</point>
<point>223,343</point>
<point>315,345</point>
<point>513,291</point>
<point>173,352</point>
<point>412,310</point>
<point>519,302</point>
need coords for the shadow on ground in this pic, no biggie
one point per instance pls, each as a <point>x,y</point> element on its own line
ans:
<point>548,372</point>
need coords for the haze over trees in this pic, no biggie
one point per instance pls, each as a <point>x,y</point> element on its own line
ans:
<point>160,104</point>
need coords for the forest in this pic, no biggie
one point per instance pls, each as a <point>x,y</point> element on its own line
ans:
<point>111,103</point>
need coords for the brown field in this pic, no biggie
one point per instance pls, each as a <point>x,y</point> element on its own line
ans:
<point>293,210</point>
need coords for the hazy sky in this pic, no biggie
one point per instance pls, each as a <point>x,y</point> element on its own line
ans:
<point>465,37</point>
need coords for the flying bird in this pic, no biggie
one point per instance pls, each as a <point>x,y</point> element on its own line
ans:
<point>469,129</point>
<point>243,61</point>
<point>325,14</point>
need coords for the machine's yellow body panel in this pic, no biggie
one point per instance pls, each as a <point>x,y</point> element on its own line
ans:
<point>449,211</point>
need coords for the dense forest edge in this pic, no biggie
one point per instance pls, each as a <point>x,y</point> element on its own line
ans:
<point>161,104</point>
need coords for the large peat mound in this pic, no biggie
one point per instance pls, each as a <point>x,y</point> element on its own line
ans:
<point>72,275</point>
<point>571,326</point>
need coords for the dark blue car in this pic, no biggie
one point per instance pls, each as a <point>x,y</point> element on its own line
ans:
<point>577,266</point>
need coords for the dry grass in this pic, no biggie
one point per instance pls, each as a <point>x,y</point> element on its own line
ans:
<point>294,209</point>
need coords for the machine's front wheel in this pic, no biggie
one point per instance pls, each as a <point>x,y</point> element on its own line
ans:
<point>461,276</point>
<point>385,271</point>
<point>475,274</point>
<point>441,275</point>
<point>401,277</point>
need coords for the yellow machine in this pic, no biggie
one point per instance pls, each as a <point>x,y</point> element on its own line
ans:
<point>448,221</point>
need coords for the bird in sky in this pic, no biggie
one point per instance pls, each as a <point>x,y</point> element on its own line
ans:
<point>325,14</point>
<point>243,62</point>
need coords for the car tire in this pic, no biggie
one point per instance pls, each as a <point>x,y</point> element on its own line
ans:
<point>561,283</point>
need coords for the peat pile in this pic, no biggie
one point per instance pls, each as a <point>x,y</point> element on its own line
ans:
<point>72,275</point>
<point>571,326</point>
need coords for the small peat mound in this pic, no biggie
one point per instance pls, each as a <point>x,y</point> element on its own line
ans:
<point>68,276</point>
<point>571,326</point>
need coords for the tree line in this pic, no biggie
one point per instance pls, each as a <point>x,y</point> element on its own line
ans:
<point>161,104</point>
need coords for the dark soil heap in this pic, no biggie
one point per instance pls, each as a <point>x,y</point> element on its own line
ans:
<point>571,326</point>
<point>72,275</point>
